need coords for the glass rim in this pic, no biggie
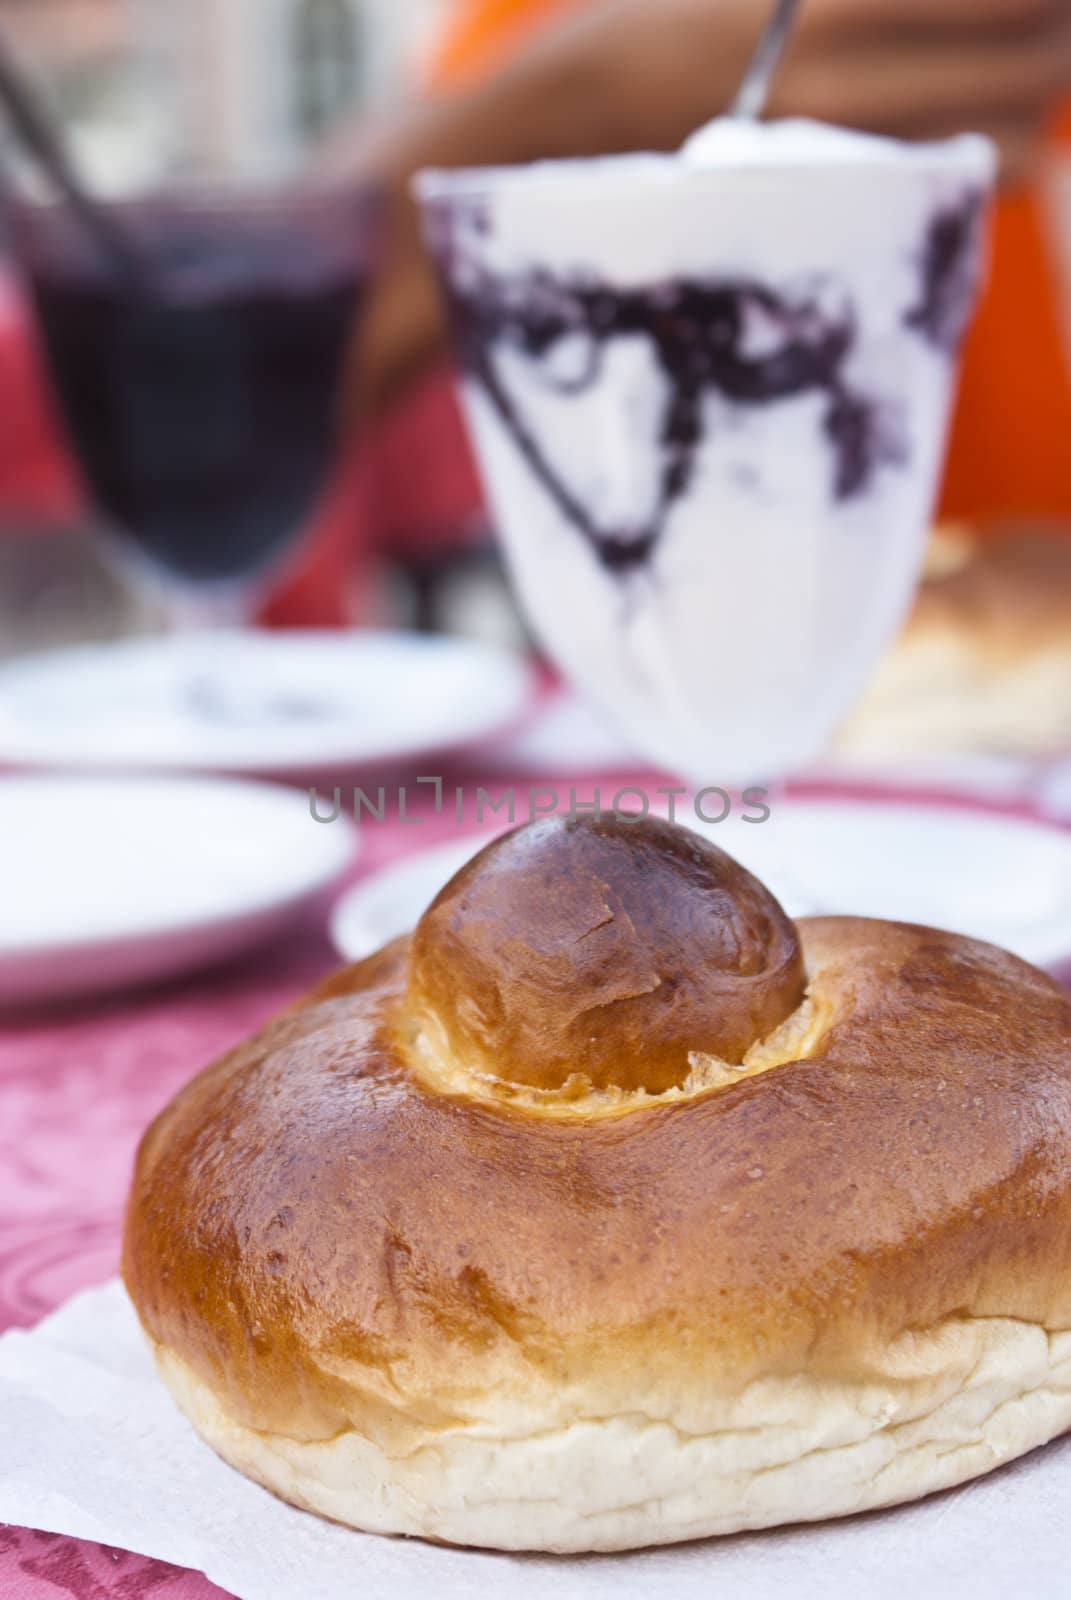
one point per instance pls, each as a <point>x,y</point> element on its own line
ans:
<point>966,156</point>
<point>192,198</point>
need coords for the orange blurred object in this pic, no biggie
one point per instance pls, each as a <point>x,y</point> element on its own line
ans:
<point>483,32</point>
<point>1011,444</point>
<point>1010,452</point>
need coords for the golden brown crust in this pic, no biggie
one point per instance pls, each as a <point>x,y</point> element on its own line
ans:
<point>605,950</point>
<point>329,1241</point>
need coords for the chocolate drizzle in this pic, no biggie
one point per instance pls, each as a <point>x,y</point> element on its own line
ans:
<point>751,344</point>
<point>949,273</point>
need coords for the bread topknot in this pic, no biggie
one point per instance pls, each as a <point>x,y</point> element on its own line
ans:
<point>604,952</point>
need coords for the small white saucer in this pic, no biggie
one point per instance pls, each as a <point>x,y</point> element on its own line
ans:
<point>570,734</point>
<point>567,734</point>
<point>392,901</point>
<point>979,873</point>
<point>109,882</point>
<point>265,704</point>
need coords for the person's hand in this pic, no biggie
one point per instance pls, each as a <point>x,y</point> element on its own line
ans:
<point>643,74</point>
<point>913,68</point>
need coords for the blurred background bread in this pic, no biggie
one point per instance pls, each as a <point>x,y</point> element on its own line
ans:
<point>984,663</point>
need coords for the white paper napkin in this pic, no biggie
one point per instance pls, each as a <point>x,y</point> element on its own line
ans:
<point>91,1446</point>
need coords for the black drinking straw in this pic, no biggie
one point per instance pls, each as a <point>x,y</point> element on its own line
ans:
<point>42,138</point>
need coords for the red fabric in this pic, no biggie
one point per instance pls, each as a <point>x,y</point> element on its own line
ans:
<point>36,478</point>
<point>412,485</point>
<point>428,484</point>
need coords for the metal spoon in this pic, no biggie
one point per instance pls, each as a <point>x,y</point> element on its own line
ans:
<point>754,92</point>
<point>35,127</point>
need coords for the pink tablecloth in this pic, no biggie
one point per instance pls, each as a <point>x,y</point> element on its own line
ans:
<point>75,1095</point>
<point>76,1091</point>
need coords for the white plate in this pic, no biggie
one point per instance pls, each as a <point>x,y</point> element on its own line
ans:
<point>107,882</point>
<point>567,734</point>
<point>271,704</point>
<point>391,901</point>
<point>978,873</point>
<point>1054,791</point>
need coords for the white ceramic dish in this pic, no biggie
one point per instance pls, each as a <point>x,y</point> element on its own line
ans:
<point>111,882</point>
<point>264,704</point>
<point>980,873</point>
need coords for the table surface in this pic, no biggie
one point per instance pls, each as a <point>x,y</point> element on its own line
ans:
<point>77,1089</point>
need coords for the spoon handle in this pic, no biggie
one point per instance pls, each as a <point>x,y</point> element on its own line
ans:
<point>754,92</point>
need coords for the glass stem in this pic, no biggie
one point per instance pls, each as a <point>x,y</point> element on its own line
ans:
<point>210,611</point>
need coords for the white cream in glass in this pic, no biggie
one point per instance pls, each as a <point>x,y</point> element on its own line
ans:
<point>710,394</point>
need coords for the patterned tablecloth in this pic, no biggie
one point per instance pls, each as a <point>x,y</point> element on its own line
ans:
<point>76,1091</point>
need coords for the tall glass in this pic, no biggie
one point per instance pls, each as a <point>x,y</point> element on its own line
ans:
<point>200,394</point>
<point>710,402</point>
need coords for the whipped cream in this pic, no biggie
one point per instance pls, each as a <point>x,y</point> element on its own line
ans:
<point>728,142</point>
<point>798,141</point>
